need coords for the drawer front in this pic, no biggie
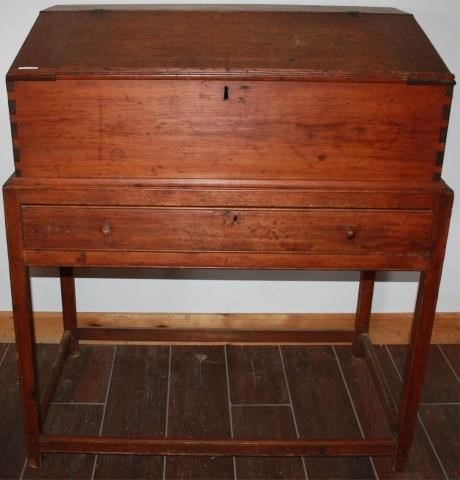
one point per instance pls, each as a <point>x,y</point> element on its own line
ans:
<point>236,130</point>
<point>219,229</point>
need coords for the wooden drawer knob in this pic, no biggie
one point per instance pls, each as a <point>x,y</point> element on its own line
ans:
<point>106,228</point>
<point>351,234</point>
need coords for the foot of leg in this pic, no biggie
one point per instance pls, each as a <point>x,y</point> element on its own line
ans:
<point>357,348</point>
<point>74,348</point>
<point>34,461</point>
<point>399,460</point>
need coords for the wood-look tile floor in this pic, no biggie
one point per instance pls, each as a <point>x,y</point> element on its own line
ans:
<point>216,391</point>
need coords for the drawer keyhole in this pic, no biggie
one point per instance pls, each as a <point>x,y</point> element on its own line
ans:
<point>226,89</point>
<point>106,228</point>
<point>351,234</point>
<point>231,218</point>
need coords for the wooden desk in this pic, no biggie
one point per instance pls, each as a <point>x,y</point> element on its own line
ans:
<point>227,137</point>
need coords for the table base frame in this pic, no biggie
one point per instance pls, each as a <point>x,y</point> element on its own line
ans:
<point>402,416</point>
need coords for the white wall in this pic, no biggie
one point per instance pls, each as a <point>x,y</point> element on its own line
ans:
<point>233,291</point>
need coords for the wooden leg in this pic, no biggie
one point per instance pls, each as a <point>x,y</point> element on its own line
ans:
<point>416,363</point>
<point>25,346</point>
<point>24,330</point>
<point>69,308</point>
<point>363,309</point>
<point>421,333</point>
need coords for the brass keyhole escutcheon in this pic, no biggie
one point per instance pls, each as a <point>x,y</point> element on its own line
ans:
<point>106,228</point>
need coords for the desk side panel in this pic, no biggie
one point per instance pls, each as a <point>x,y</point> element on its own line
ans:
<point>254,130</point>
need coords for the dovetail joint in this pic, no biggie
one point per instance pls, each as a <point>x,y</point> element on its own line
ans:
<point>12,107</point>
<point>14,129</point>
<point>16,155</point>
<point>443,135</point>
<point>445,112</point>
<point>439,158</point>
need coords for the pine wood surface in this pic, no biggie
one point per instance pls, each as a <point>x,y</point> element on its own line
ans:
<point>226,230</point>
<point>385,328</point>
<point>367,105</point>
<point>262,131</point>
<point>434,452</point>
<point>238,40</point>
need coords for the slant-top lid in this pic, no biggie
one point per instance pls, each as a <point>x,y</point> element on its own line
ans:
<point>304,43</point>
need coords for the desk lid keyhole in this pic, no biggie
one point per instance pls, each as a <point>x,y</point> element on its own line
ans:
<point>226,92</point>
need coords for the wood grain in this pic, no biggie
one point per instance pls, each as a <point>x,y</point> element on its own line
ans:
<point>275,194</point>
<point>422,462</point>
<point>363,309</point>
<point>170,129</point>
<point>425,308</point>
<point>198,391</point>
<point>69,307</point>
<point>263,422</point>
<point>214,335</point>
<point>198,408</point>
<point>386,328</point>
<point>311,43</point>
<point>441,384</point>
<point>359,380</point>
<point>316,385</point>
<point>418,465</point>
<point>256,375</point>
<point>23,327</point>
<point>239,230</point>
<point>76,419</point>
<point>46,393</point>
<point>139,384</point>
<point>381,385</point>
<point>229,259</point>
<point>77,374</point>
<point>443,423</point>
<point>11,424</point>
<point>228,137</point>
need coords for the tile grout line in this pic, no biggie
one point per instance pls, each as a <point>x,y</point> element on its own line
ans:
<point>230,407</point>
<point>419,418</point>
<point>296,427</point>
<point>446,359</point>
<point>105,406</point>
<point>261,404</point>
<point>23,470</point>
<point>394,363</point>
<point>4,354</point>
<point>108,390</point>
<point>353,406</point>
<point>167,407</point>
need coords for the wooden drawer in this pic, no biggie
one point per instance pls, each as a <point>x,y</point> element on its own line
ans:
<point>219,229</point>
<point>253,130</point>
